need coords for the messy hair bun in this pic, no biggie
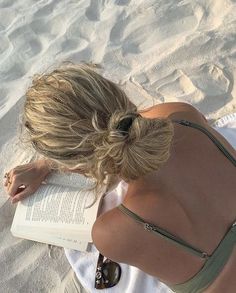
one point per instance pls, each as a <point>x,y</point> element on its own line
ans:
<point>83,121</point>
<point>135,151</point>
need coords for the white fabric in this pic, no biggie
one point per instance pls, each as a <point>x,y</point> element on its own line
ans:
<point>132,279</point>
<point>226,126</point>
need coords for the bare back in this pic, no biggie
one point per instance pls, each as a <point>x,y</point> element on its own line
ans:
<point>192,196</point>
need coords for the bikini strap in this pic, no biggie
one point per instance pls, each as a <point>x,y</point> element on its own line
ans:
<point>210,135</point>
<point>162,233</point>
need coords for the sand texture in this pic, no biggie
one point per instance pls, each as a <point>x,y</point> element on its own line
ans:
<point>158,51</point>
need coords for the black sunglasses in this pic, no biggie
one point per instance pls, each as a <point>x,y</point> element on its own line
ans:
<point>108,273</point>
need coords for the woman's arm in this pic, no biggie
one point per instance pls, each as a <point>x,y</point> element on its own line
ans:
<point>24,180</point>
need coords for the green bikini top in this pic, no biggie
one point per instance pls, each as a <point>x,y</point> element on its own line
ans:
<point>215,262</point>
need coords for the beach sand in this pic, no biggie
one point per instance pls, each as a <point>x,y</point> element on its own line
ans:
<point>158,51</point>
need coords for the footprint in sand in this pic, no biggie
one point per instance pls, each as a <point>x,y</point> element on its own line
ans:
<point>211,80</point>
<point>70,45</point>
<point>25,49</point>
<point>208,80</point>
<point>46,10</point>
<point>99,10</point>
<point>50,28</point>
<point>11,71</point>
<point>132,30</point>
<point>177,85</point>
<point>83,55</point>
<point>211,14</point>
<point>81,30</point>
<point>173,86</point>
<point>146,28</point>
<point>30,49</point>
<point>215,85</point>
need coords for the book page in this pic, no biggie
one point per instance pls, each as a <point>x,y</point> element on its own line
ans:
<point>69,179</point>
<point>44,237</point>
<point>58,208</point>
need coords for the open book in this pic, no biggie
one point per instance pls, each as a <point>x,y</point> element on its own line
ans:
<point>59,215</point>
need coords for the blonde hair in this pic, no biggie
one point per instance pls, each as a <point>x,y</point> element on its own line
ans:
<point>74,117</point>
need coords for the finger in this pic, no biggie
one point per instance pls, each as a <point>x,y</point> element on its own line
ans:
<point>21,195</point>
<point>19,189</point>
<point>5,182</point>
<point>8,185</point>
<point>12,187</point>
<point>6,178</point>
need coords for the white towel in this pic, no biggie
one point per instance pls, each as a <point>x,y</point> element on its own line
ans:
<point>226,126</point>
<point>132,279</point>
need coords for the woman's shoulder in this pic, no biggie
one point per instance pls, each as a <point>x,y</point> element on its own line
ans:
<point>175,110</point>
<point>172,107</point>
<point>179,110</point>
<point>111,236</point>
<point>114,234</point>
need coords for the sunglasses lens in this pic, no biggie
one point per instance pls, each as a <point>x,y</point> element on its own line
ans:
<point>111,272</point>
<point>107,273</point>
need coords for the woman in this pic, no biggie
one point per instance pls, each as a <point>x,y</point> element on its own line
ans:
<point>180,183</point>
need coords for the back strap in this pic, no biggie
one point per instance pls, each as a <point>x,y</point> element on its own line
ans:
<point>212,267</point>
<point>210,135</point>
<point>160,232</point>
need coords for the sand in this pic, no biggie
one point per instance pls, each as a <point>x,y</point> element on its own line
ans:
<point>158,51</point>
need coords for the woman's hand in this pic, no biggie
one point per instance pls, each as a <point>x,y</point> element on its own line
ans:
<point>24,180</point>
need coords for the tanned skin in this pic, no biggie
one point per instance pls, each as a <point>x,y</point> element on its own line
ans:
<point>192,196</point>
